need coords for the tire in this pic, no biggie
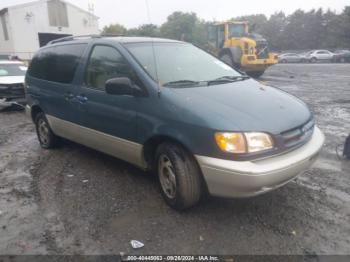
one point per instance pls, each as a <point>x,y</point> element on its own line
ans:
<point>228,59</point>
<point>179,176</point>
<point>255,74</point>
<point>313,60</point>
<point>342,60</point>
<point>46,137</point>
<point>284,61</point>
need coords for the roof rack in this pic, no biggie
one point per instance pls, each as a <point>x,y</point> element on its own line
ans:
<point>111,35</point>
<point>70,38</point>
<point>76,37</point>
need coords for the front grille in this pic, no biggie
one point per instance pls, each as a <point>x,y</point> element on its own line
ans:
<point>298,135</point>
<point>12,90</point>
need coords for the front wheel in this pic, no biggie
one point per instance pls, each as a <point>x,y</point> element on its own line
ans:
<point>179,176</point>
<point>255,74</point>
<point>283,61</point>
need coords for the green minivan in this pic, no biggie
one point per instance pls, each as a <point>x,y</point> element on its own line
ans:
<point>170,107</point>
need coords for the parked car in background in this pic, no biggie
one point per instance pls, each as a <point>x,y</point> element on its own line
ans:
<point>305,56</point>
<point>108,93</point>
<point>291,58</point>
<point>12,74</point>
<point>341,56</point>
<point>319,55</point>
<point>5,57</point>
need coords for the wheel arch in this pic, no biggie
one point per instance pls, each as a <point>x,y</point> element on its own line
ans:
<point>35,110</point>
<point>151,145</point>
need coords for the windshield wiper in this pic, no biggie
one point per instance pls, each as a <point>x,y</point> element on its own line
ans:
<point>220,80</point>
<point>228,79</point>
<point>182,83</point>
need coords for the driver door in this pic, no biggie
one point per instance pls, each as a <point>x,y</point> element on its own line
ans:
<point>110,119</point>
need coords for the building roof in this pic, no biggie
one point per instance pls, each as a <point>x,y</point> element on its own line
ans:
<point>5,9</point>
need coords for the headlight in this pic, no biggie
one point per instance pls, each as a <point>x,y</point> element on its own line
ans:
<point>258,142</point>
<point>231,142</point>
<point>240,143</point>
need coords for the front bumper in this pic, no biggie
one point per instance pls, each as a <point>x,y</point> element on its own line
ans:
<point>227,178</point>
<point>257,64</point>
<point>8,102</point>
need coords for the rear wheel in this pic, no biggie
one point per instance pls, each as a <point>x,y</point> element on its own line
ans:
<point>255,74</point>
<point>179,176</point>
<point>313,60</point>
<point>45,135</point>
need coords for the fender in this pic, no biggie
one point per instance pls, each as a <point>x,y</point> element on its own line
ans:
<point>172,133</point>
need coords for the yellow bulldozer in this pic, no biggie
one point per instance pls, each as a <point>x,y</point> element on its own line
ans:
<point>233,44</point>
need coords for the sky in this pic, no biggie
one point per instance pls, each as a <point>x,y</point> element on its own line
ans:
<point>132,13</point>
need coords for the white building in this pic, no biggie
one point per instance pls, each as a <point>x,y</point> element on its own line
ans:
<point>25,28</point>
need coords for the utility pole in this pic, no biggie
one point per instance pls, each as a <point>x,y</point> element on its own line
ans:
<point>91,8</point>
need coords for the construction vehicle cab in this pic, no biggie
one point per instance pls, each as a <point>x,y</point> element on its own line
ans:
<point>233,44</point>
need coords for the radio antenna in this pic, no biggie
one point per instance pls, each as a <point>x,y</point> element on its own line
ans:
<point>153,49</point>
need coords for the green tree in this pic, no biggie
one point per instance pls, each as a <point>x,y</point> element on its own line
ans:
<point>150,30</point>
<point>114,29</point>
<point>256,22</point>
<point>342,30</point>
<point>184,26</point>
<point>273,30</point>
<point>298,31</point>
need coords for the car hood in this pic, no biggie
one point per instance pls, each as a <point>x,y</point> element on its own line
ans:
<point>5,80</point>
<point>244,106</point>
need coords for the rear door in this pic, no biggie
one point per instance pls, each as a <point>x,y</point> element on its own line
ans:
<point>295,58</point>
<point>51,80</point>
<point>328,55</point>
<point>323,55</point>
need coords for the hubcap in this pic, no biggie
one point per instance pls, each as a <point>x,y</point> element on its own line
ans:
<point>167,176</point>
<point>43,131</point>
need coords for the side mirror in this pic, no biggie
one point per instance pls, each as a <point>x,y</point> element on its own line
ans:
<point>119,86</point>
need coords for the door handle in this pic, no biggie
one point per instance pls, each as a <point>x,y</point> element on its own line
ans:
<point>82,99</point>
<point>68,96</point>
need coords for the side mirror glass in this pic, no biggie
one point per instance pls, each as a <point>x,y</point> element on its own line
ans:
<point>119,86</point>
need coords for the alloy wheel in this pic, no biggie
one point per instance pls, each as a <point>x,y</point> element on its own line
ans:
<point>167,176</point>
<point>43,131</point>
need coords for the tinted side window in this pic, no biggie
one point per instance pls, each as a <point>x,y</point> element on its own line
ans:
<point>105,63</point>
<point>57,64</point>
<point>43,60</point>
<point>67,60</point>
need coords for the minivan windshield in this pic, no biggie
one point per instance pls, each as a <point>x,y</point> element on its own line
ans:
<point>181,64</point>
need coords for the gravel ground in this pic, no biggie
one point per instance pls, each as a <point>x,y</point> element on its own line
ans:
<point>74,200</point>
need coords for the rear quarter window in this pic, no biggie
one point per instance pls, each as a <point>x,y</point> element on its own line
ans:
<point>58,63</point>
